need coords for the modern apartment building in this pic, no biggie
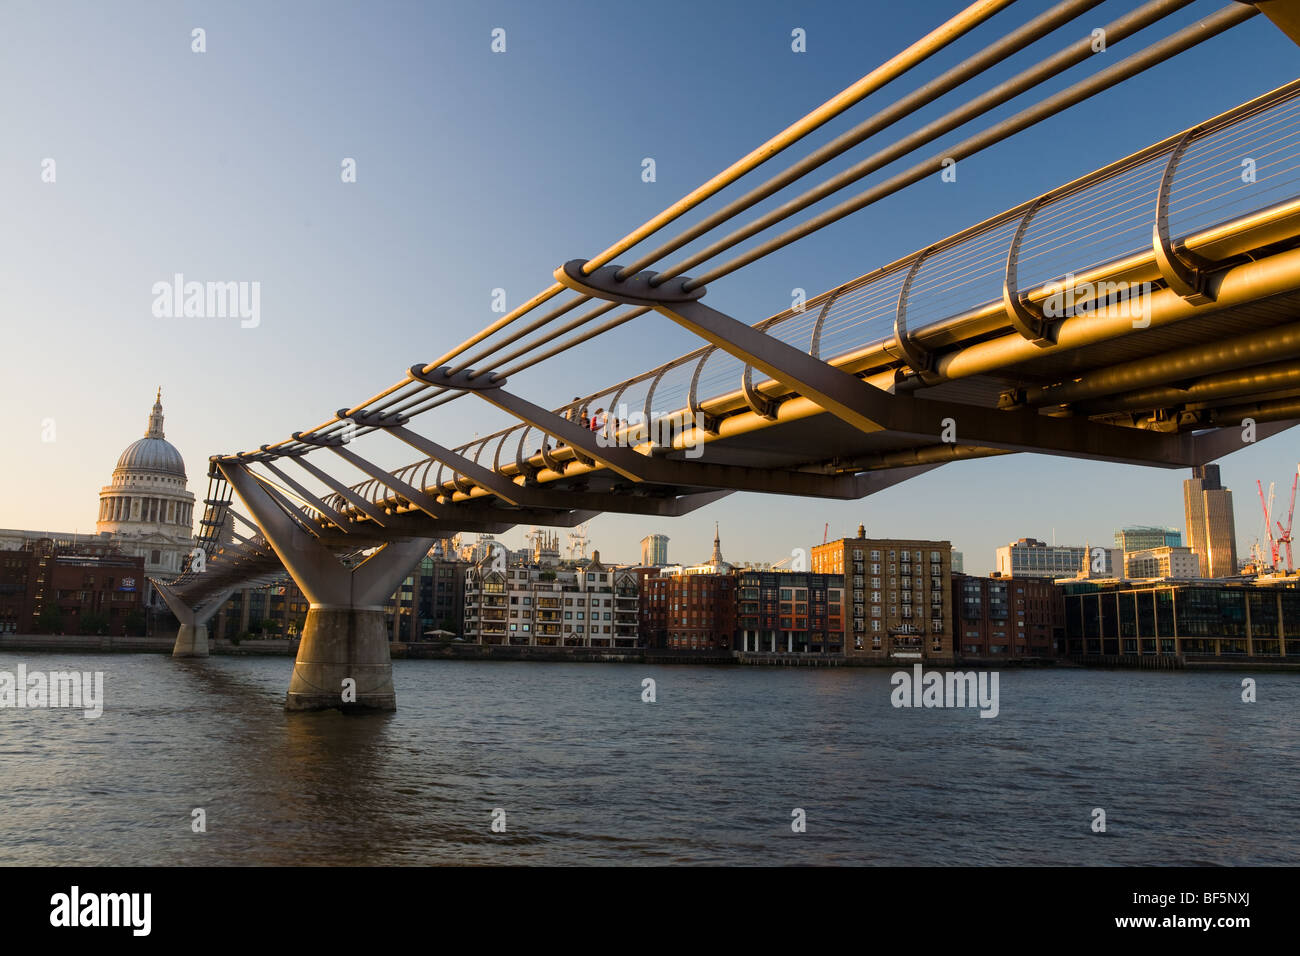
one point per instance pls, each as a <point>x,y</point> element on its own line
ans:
<point>431,599</point>
<point>1008,617</point>
<point>1211,527</point>
<point>898,595</point>
<point>277,609</point>
<point>1030,557</point>
<point>790,611</point>
<point>532,605</point>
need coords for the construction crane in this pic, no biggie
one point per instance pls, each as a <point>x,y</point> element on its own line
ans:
<point>1284,534</point>
<point>578,542</point>
<point>1257,556</point>
<point>1268,510</point>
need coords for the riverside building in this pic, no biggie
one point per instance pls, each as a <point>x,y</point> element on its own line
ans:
<point>898,595</point>
<point>790,611</point>
<point>690,607</point>
<point>1008,617</point>
<point>543,606</point>
<point>89,589</point>
<point>1194,618</point>
<point>430,600</point>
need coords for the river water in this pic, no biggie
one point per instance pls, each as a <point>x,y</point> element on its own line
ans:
<point>710,773</point>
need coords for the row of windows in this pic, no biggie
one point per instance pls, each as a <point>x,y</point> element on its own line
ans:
<point>875,555</point>
<point>580,629</point>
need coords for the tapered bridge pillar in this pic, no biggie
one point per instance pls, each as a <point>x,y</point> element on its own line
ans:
<point>343,661</point>
<point>192,637</point>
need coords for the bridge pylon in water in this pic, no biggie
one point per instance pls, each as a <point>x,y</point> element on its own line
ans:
<point>343,660</point>
<point>192,637</point>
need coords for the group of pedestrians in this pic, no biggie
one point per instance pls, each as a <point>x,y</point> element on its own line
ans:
<point>595,422</point>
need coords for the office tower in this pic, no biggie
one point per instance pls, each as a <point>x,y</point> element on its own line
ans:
<point>654,550</point>
<point>1211,529</point>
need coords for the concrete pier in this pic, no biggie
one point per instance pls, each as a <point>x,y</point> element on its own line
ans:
<point>191,641</point>
<point>338,645</point>
<point>192,637</point>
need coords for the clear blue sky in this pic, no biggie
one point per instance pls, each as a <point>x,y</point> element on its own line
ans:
<point>476,171</point>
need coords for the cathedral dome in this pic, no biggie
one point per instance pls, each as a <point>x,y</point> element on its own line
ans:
<point>152,454</point>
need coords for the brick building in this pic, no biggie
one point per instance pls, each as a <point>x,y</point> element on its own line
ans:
<point>898,595</point>
<point>689,611</point>
<point>790,611</point>
<point>1008,617</point>
<point>46,589</point>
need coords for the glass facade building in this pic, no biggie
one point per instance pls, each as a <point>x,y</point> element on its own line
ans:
<point>1187,619</point>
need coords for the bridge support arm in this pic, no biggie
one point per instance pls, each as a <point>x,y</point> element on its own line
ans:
<point>343,660</point>
<point>192,635</point>
<point>637,467</point>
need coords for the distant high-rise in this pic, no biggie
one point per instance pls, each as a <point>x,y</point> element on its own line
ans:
<point>654,550</point>
<point>1211,528</point>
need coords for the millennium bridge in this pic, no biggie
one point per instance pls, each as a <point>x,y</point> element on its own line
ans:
<point>1144,313</point>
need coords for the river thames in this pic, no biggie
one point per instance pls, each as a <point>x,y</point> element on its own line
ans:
<point>709,773</point>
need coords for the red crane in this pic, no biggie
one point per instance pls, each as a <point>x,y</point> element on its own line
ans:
<point>1268,526</point>
<point>1284,534</point>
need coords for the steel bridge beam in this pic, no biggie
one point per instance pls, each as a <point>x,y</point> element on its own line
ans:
<point>640,468</point>
<point>871,409</point>
<point>1285,15</point>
